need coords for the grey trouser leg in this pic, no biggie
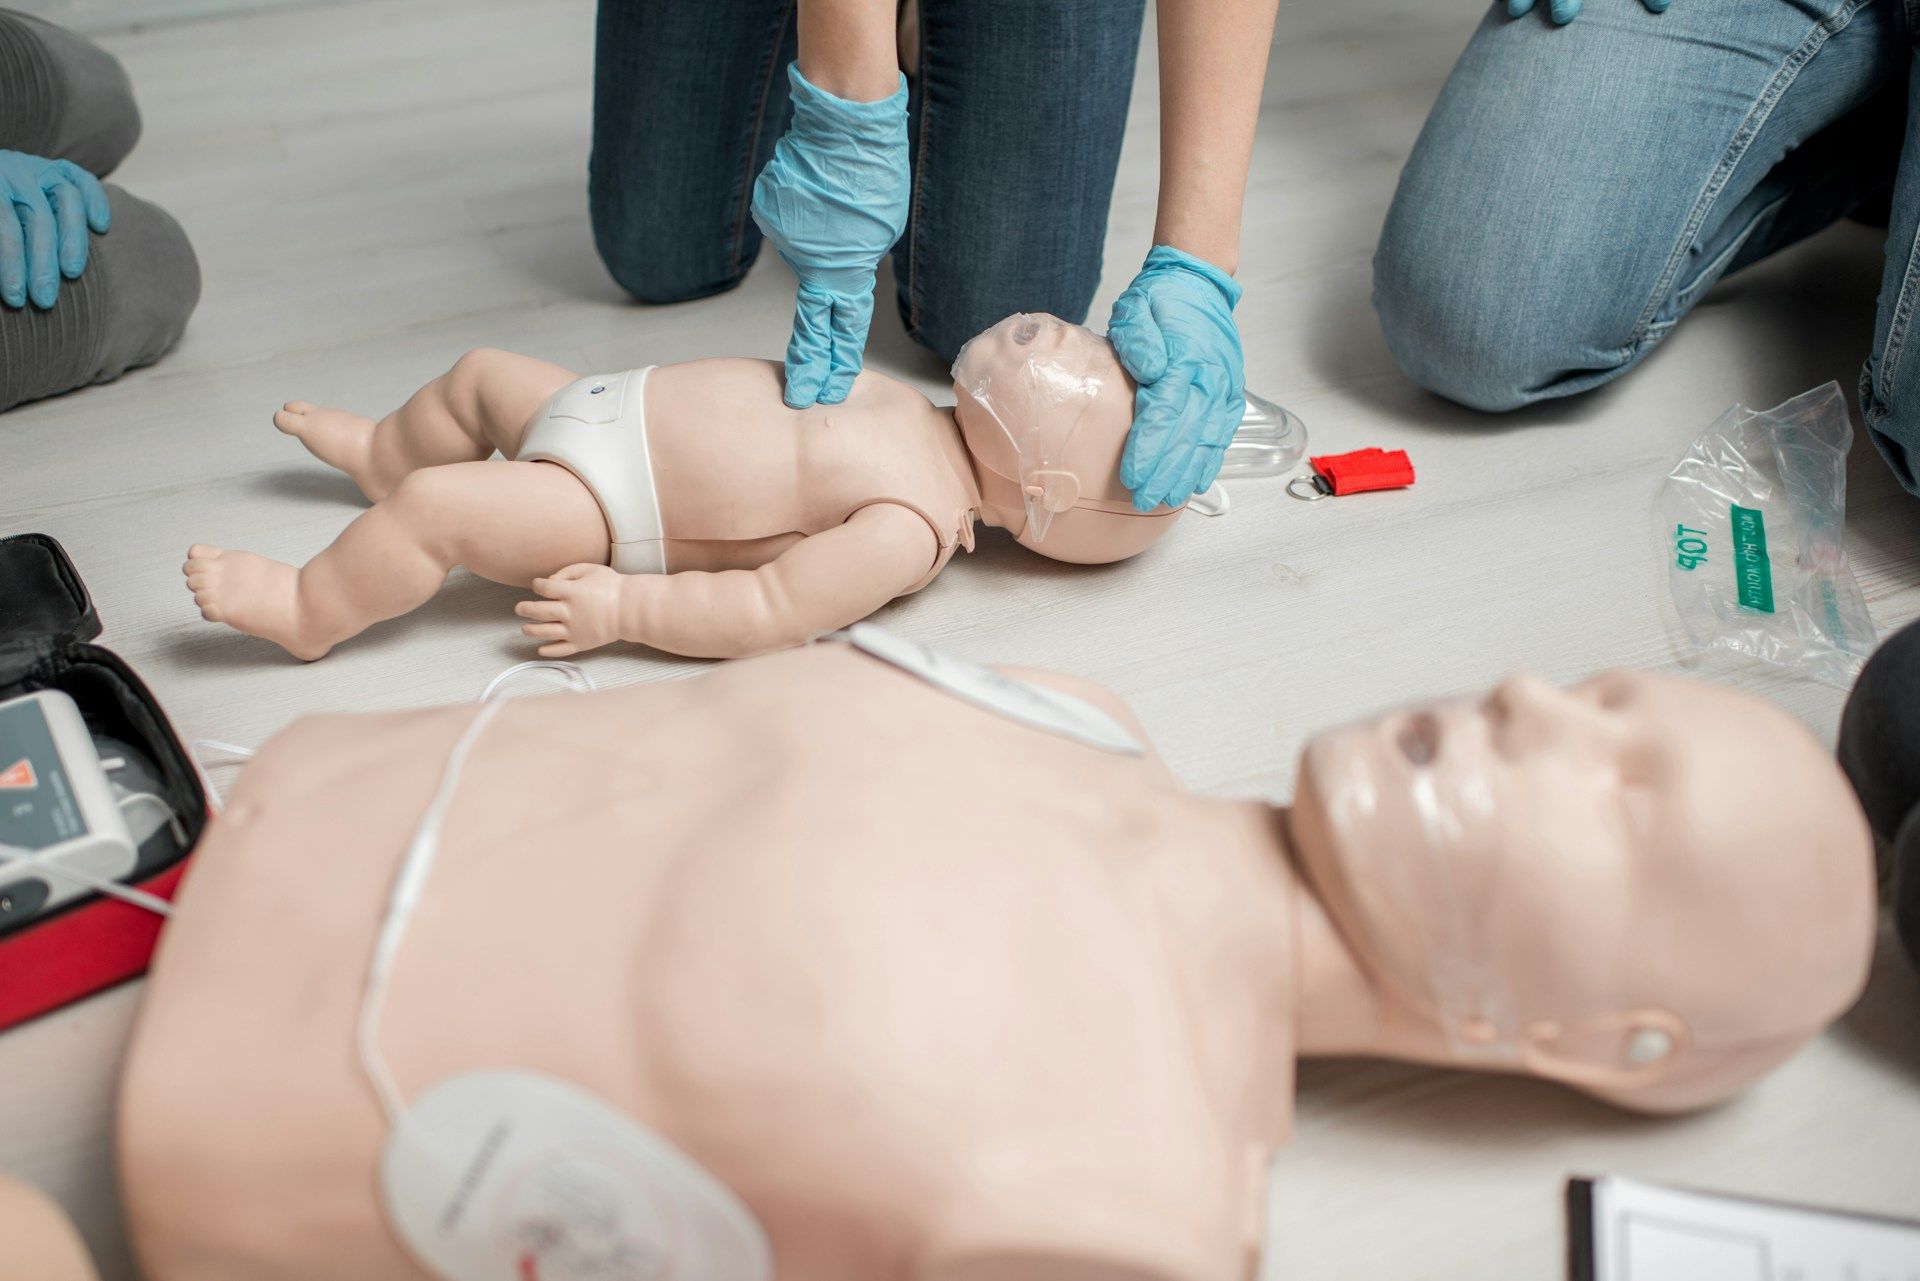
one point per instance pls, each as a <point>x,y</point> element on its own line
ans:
<point>63,98</point>
<point>127,309</point>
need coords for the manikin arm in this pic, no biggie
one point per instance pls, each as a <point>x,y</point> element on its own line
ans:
<point>824,582</point>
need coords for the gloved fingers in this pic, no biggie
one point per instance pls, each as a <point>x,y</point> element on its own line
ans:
<point>1135,334</point>
<point>1207,462</point>
<point>1174,459</point>
<point>99,212</point>
<point>13,253</point>
<point>1519,8</point>
<point>852,318</point>
<point>1169,486</point>
<point>810,350</point>
<point>70,221</point>
<point>1155,423</point>
<point>42,238</point>
<point>1657,6</point>
<point>1563,11</point>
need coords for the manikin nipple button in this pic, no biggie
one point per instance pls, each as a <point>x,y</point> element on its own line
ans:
<point>1024,332</point>
<point>1647,1046</point>
<point>1479,1031</point>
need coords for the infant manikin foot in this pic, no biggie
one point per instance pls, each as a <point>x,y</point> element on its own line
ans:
<point>337,438</point>
<point>251,594</point>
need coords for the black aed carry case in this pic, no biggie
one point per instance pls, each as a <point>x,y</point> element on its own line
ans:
<point>47,624</point>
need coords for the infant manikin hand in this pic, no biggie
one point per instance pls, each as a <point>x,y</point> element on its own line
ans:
<point>581,609</point>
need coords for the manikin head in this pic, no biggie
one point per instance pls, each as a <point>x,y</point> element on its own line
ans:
<point>1649,888</point>
<point>1045,409</point>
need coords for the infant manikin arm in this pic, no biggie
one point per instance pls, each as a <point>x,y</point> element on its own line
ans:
<point>824,582</point>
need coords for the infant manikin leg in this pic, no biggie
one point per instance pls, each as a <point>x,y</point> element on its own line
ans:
<point>480,405</point>
<point>508,522</point>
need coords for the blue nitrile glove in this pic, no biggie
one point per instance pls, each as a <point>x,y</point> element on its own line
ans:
<point>46,207</point>
<point>1173,330</point>
<point>1565,11</point>
<point>833,200</point>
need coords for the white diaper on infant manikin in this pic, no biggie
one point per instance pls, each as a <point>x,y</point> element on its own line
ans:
<point>597,429</point>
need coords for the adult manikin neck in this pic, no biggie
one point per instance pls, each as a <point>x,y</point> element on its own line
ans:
<point>1339,1010</point>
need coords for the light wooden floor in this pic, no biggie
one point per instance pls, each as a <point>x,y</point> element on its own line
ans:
<point>374,188</point>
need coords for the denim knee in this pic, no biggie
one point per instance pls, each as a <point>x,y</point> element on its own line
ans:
<point>660,267</point>
<point>1468,327</point>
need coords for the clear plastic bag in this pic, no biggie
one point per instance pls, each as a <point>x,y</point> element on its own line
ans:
<point>1750,526</point>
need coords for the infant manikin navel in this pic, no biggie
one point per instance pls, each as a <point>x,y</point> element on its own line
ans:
<point>686,507</point>
<point>917,991</point>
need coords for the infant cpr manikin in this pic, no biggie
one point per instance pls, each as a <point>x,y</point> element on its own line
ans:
<point>912,990</point>
<point>687,508</point>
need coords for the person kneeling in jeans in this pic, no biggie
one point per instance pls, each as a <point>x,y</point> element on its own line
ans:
<point>1578,187</point>
<point>93,280</point>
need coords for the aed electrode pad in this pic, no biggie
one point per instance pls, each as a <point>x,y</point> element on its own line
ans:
<point>509,1175</point>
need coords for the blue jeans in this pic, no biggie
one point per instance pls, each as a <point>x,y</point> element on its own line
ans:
<point>1017,111</point>
<point>1576,190</point>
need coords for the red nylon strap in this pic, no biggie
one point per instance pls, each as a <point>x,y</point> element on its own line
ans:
<point>1365,469</point>
<point>80,952</point>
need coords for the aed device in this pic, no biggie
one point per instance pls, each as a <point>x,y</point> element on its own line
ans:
<point>57,809</point>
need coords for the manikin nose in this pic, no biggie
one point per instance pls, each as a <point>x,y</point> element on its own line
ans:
<point>1526,710</point>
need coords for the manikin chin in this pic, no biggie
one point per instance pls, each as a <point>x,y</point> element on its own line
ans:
<point>939,996</point>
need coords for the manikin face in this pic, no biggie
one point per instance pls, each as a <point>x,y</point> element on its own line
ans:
<point>1649,887</point>
<point>1045,407</point>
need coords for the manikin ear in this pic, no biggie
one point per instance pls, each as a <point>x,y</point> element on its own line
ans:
<point>1054,490</point>
<point>1624,1051</point>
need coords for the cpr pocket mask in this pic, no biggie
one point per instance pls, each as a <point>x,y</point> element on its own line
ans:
<point>1750,527</point>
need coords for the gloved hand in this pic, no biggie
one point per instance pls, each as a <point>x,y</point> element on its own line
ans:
<point>833,200</point>
<point>1173,331</point>
<point>1565,11</point>
<point>46,208</point>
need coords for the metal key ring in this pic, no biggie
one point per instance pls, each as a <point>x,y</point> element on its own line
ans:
<point>1314,491</point>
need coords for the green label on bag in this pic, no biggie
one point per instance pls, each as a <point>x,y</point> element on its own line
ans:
<point>1752,574</point>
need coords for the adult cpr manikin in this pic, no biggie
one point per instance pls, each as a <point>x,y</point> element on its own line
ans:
<point>687,508</point>
<point>935,994</point>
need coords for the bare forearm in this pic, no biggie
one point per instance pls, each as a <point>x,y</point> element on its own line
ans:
<point>847,48</point>
<point>1213,61</point>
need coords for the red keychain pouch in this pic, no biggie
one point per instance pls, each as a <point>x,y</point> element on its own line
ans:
<point>1364,469</point>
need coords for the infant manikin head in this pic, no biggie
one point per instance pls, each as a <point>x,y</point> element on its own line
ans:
<point>1650,888</point>
<point>1045,409</point>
